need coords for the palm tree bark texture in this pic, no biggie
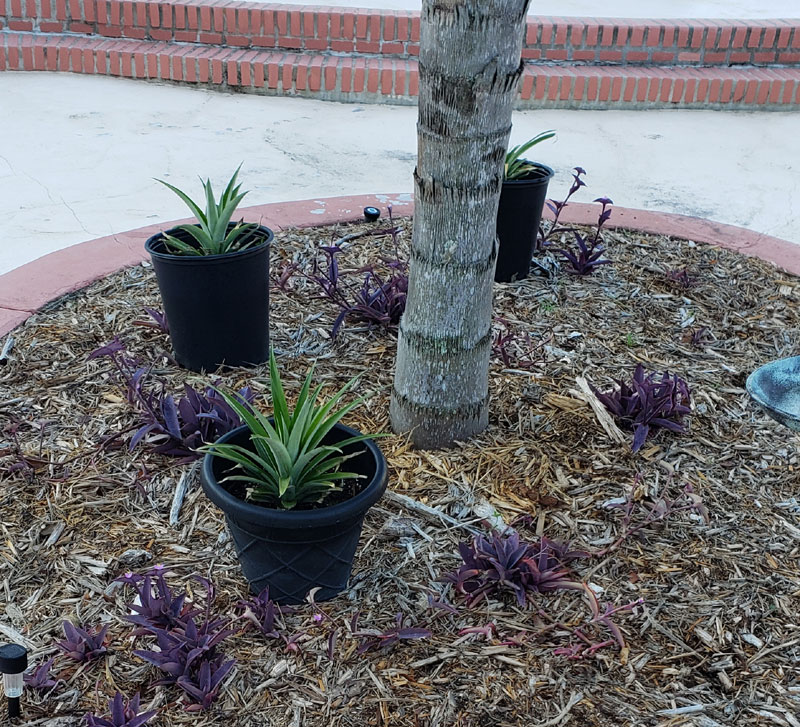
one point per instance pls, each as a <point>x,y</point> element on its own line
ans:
<point>469,69</point>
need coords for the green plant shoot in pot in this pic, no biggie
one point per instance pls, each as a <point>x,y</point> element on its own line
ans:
<point>519,211</point>
<point>288,465</point>
<point>213,276</point>
<point>297,525</point>
<point>213,233</point>
<point>518,168</point>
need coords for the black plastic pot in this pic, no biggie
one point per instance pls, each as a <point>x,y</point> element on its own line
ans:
<point>217,306</point>
<point>293,551</point>
<point>518,218</point>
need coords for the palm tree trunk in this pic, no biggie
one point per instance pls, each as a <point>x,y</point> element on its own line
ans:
<point>469,68</point>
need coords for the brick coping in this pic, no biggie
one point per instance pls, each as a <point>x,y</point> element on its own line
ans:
<point>28,288</point>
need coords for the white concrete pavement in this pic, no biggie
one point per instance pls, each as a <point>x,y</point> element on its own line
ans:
<point>78,155</point>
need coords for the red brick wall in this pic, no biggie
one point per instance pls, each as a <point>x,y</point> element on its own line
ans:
<point>360,55</point>
<point>395,33</point>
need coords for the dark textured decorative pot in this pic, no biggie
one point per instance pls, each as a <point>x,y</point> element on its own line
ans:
<point>217,306</point>
<point>293,551</point>
<point>518,218</point>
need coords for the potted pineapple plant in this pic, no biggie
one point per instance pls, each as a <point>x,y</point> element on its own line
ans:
<point>294,489</point>
<point>520,211</point>
<point>213,276</point>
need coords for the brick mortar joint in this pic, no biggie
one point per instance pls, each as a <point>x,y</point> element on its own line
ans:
<point>179,44</point>
<point>622,62</point>
<point>704,26</point>
<point>577,21</point>
<point>659,98</point>
<point>396,60</point>
<point>147,26</point>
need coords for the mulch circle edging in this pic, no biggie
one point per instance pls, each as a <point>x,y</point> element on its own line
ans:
<point>27,288</point>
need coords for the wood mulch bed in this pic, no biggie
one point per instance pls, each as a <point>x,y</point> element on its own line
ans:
<point>716,640</point>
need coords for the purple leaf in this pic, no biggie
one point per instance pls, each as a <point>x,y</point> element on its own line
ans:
<point>82,645</point>
<point>175,429</point>
<point>264,614</point>
<point>332,644</point>
<point>506,564</point>
<point>640,432</point>
<point>590,249</point>
<point>110,349</point>
<point>170,412</point>
<point>411,633</point>
<point>188,408</point>
<point>385,640</point>
<point>682,278</point>
<point>158,320</point>
<point>649,401</point>
<point>380,299</point>
<point>122,714</point>
<point>186,648</point>
<point>442,605</point>
<point>40,678</point>
<point>140,433</point>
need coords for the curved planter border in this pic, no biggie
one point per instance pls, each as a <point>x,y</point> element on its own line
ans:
<point>28,288</point>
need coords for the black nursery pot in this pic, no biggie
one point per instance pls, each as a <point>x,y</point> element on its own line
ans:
<point>518,218</point>
<point>293,551</point>
<point>217,306</point>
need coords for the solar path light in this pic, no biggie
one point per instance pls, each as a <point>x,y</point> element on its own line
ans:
<point>13,663</point>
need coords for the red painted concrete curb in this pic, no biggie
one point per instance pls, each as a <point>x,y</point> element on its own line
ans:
<point>10,319</point>
<point>26,289</point>
<point>784,254</point>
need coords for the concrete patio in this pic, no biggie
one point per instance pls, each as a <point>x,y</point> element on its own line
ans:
<point>82,152</point>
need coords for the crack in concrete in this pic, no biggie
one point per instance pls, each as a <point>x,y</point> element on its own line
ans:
<point>42,185</point>
<point>77,219</point>
<point>56,201</point>
<point>10,165</point>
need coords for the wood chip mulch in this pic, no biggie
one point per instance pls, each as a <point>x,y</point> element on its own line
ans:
<point>715,641</point>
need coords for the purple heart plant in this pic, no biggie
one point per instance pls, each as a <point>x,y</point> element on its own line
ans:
<point>175,428</point>
<point>121,714</point>
<point>648,402</point>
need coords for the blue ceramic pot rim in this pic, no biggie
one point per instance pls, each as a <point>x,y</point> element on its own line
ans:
<point>756,390</point>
